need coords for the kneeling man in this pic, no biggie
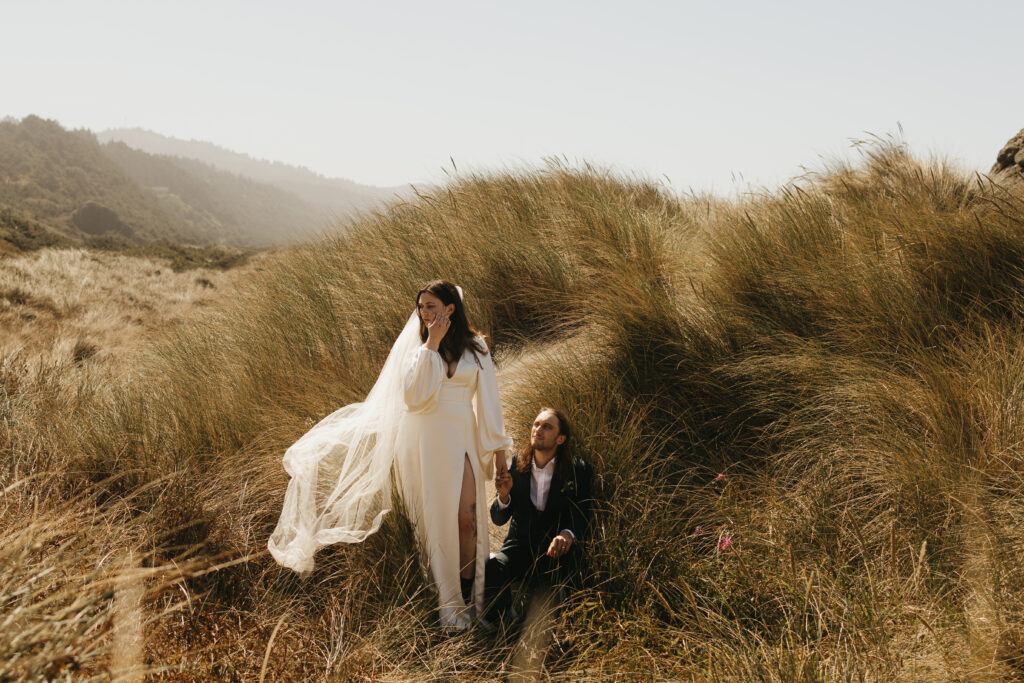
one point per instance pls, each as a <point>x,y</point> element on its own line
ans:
<point>546,495</point>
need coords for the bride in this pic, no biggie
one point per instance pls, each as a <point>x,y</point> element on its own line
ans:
<point>434,416</point>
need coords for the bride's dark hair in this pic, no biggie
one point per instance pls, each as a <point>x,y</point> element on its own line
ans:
<point>460,335</point>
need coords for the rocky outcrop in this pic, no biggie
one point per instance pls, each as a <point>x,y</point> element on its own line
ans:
<point>1010,162</point>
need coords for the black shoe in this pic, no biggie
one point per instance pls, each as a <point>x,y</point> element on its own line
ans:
<point>467,588</point>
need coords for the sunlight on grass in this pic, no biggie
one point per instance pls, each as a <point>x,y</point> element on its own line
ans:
<point>803,409</point>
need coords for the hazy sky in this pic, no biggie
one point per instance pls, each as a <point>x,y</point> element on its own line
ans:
<point>385,92</point>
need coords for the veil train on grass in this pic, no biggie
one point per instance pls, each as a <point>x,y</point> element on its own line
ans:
<point>340,470</point>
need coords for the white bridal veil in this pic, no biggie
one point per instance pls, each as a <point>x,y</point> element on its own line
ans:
<point>340,486</point>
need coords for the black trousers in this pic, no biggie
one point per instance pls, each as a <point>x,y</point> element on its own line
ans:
<point>528,566</point>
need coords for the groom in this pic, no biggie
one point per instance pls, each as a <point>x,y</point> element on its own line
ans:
<point>546,495</point>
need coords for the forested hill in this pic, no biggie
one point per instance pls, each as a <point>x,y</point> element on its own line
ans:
<point>62,186</point>
<point>62,181</point>
<point>249,213</point>
<point>340,196</point>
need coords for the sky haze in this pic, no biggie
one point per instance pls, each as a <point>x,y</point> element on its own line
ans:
<point>713,96</point>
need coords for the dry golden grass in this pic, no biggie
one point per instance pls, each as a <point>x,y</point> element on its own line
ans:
<point>80,581</point>
<point>70,305</point>
<point>848,353</point>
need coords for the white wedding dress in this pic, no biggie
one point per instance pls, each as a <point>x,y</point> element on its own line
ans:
<point>419,423</point>
<point>448,419</point>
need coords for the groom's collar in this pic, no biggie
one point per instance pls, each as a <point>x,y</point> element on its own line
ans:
<point>549,467</point>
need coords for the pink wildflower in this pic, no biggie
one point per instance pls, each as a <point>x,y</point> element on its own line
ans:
<point>720,477</point>
<point>724,543</point>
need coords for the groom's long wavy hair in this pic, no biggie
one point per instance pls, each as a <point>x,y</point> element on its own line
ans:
<point>460,335</point>
<point>564,454</point>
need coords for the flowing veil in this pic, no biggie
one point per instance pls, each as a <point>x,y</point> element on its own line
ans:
<point>340,470</point>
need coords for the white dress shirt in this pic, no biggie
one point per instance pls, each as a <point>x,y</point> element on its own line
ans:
<point>540,484</point>
<point>540,487</point>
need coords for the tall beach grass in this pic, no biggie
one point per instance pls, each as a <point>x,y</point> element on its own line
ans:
<point>803,408</point>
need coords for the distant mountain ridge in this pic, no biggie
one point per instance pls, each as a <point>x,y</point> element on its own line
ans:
<point>249,213</point>
<point>65,187</point>
<point>340,196</point>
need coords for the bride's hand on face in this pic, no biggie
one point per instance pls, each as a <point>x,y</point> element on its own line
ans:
<point>436,329</point>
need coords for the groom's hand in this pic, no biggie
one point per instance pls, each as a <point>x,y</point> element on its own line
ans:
<point>560,545</point>
<point>503,484</point>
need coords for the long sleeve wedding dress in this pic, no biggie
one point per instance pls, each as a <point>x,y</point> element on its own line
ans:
<point>448,420</point>
<point>419,423</point>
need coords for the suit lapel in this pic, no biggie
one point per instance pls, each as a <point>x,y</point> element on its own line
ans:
<point>521,481</point>
<point>533,517</point>
<point>555,496</point>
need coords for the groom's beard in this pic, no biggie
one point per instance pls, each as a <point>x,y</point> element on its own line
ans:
<point>545,453</point>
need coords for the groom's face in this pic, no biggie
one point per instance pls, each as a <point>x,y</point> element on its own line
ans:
<point>544,434</point>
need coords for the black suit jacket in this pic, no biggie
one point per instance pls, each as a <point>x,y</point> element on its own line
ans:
<point>568,507</point>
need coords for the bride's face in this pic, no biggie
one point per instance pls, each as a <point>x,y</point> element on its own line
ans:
<point>429,306</point>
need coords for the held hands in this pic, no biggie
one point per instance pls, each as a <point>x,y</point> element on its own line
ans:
<point>436,329</point>
<point>560,545</point>
<point>500,466</point>
<point>503,485</point>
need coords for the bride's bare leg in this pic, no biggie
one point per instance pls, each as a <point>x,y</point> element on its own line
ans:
<point>467,522</point>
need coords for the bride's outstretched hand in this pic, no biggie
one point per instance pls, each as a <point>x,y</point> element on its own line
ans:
<point>436,329</point>
<point>502,486</point>
<point>500,466</point>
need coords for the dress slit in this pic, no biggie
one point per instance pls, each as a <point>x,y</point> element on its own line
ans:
<point>431,477</point>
